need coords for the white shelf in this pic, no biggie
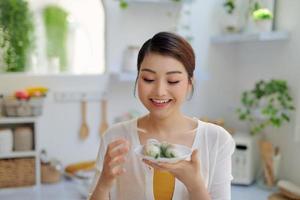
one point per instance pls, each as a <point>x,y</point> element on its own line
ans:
<point>250,37</point>
<point>160,1</point>
<point>17,120</point>
<point>18,154</point>
<point>10,122</point>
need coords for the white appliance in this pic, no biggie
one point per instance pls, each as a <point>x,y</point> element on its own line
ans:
<point>245,159</point>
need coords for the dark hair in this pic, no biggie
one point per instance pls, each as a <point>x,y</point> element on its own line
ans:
<point>169,44</point>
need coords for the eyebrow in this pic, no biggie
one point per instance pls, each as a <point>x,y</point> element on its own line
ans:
<point>168,73</point>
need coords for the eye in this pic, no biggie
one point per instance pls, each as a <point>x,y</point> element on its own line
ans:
<point>173,82</point>
<point>148,80</point>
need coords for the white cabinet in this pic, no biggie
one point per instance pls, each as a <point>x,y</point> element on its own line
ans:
<point>33,123</point>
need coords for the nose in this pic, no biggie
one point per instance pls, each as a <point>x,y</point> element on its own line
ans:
<point>160,88</point>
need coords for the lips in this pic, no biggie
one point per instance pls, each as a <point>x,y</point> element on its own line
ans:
<point>160,102</point>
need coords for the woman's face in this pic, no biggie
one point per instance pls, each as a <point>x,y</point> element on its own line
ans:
<point>163,85</point>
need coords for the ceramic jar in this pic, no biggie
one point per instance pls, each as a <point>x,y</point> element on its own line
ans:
<point>130,59</point>
<point>233,19</point>
<point>6,140</point>
<point>23,139</point>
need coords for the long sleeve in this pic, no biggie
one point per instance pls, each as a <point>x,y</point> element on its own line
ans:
<point>99,165</point>
<point>221,182</point>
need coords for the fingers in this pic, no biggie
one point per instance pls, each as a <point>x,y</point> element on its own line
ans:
<point>163,166</point>
<point>119,147</point>
<point>175,166</point>
<point>117,171</point>
<point>119,151</point>
<point>117,143</point>
<point>152,164</point>
<point>115,155</point>
<point>114,167</point>
<point>195,157</point>
<point>119,160</point>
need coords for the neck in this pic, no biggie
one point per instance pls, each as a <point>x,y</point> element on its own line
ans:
<point>165,126</point>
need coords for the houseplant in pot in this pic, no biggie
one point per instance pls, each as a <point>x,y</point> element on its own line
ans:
<point>268,104</point>
<point>261,18</point>
<point>56,27</point>
<point>233,15</point>
<point>16,34</point>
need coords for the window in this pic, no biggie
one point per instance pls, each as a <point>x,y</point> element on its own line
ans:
<point>85,38</point>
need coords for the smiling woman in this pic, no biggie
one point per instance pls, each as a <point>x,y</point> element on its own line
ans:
<point>165,67</point>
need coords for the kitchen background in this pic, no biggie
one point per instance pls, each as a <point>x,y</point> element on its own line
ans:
<point>224,71</point>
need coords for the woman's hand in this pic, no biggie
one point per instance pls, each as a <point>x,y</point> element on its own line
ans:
<point>114,159</point>
<point>188,172</point>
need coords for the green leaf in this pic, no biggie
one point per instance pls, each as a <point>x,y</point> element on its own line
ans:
<point>55,20</point>
<point>284,116</point>
<point>291,107</point>
<point>123,4</point>
<point>229,6</point>
<point>276,107</point>
<point>16,19</point>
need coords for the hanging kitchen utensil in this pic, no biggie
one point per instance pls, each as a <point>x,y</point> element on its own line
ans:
<point>103,123</point>
<point>84,129</point>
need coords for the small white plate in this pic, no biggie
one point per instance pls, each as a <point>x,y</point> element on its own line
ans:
<point>184,151</point>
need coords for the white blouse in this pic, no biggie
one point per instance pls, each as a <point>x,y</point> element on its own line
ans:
<point>215,146</point>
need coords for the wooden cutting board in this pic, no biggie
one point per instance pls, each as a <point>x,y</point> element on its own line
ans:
<point>277,196</point>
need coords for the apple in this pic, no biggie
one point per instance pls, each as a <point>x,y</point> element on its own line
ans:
<point>22,95</point>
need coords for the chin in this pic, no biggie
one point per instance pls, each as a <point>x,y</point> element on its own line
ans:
<point>160,115</point>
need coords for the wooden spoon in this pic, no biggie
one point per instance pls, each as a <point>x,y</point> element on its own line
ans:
<point>103,123</point>
<point>84,129</point>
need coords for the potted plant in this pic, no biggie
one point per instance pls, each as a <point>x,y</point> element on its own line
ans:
<point>261,18</point>
<point>16,34</point>
<point>268,104</point>
<point>229,6</point>
<point>56,26</point>
<point>233,15</point>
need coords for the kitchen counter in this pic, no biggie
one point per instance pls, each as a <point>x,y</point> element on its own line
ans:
<point>249,193</point>
<point>69,190</point>
<point>63,190</point>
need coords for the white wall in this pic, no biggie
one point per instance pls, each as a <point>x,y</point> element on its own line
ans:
<point>226,70</point>
<point>134,25</point>
<point>233,68</point>
<point>277,60</point>
<point>60,122</point>
<point>215,65</point>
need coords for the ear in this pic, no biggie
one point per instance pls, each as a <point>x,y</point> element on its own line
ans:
<point>191,83</point>
<point>190,88</point>
<point>193,80</point>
